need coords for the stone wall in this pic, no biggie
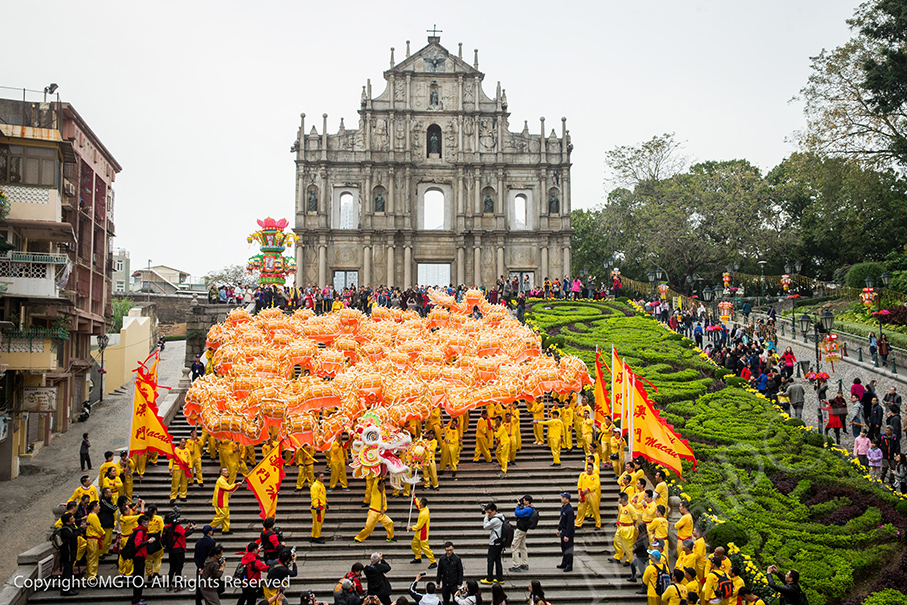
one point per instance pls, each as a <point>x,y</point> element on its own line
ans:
<point>199,319</point>
<point>172,311</point>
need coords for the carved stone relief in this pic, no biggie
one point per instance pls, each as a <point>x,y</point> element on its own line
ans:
<point>487,135</point>
<point>469,130</point>
<point>399,135</point>
<point>379,134</point>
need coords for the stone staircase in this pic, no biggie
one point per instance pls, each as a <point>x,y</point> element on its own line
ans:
<point>456,515</point>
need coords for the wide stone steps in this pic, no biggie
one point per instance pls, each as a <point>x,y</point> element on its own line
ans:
<point>456,515</point>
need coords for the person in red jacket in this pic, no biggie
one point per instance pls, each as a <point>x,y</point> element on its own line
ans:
<point>270,542</point>
<point>141,540</point>
<point>251,582</point>
<point>176,535</point>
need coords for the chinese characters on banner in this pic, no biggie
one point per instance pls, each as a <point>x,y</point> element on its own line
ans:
<point>265,480</point>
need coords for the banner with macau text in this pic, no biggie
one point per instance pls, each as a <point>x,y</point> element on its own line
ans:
<point>265,480</point>
<point>617,388</point>
<point>653,438</point>
<point>148,433</point>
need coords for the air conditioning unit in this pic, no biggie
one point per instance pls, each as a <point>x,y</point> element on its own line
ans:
<point>69,189</point>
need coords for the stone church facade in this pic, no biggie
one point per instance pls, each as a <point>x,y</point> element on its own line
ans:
<point>432,187</point>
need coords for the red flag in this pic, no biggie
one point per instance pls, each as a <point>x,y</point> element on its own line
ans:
<point>147,432</point>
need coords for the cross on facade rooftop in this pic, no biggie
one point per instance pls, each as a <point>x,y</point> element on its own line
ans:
<point>434,31</point>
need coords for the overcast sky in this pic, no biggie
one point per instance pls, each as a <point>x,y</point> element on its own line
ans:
<point>200,101</point>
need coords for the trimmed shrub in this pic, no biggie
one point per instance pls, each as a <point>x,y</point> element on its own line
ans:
<point>886,597</point>
<point>794,422</point>
<point>815,439</point>
<point>901,507</point>
<point>723,534</point>
<point>736,381</point>
<point>857,274</point>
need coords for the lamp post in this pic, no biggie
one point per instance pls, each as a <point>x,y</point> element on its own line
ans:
<point>651,276</point>
<point>103,340</point>
<point>762,281</point>
<point>870,282</point>
<point>707,295</point>
<point>827,322</point>
<point>793,310</point>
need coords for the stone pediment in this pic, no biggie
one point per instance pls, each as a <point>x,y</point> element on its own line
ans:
<point>434,59</point>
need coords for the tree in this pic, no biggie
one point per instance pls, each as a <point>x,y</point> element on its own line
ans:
<point>695,222</point>
<point>855,97</point>
<point>121,307</point>
<point>231,275</point>
<point>637,167</point>
<point>844,212</point>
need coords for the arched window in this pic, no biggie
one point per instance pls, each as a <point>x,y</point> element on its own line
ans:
<point>519,211</point>
<point>346,211</point>
<point>433,141</point>
<point>433,210</point>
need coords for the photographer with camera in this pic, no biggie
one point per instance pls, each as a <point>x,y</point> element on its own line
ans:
<point>527,517</point>
<point>271,540</point>
<point>347,595</point>
<point>173,539</point>
<point>429,598</point>
<point>211,573</point>
<point>280,573</point>
<point>376,574</point>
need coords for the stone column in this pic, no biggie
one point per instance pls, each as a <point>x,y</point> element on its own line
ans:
<point>477,266</point>
<point>500,267</point>
<point>565,193</point>
<point>544,262</point>
<point>542,142</point>
<point>407,203</point>
<point>322,265</point>
<point>478,195</point>
<point>300,261</point>
<point>391,188</point>
<point>461,266</point>
<point>390,266</point>
<point>324,137</point>
<point>407,266</point>
<point>567,270</point>
<point>366,266</point>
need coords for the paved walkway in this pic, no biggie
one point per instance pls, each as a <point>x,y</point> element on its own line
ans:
<point>845,372</point>
<point>50,477</point>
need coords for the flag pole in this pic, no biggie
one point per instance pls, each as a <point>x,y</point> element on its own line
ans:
<point>415,482</point>
<point>630,414</point>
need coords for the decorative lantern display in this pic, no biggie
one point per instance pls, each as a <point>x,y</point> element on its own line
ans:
<point>726,277</point>
<point>272,267</point>
<point>725,307</point>
<point>831,350</point>
<point>785,282</point>
<point>869,297</point>
<point>663,290</point>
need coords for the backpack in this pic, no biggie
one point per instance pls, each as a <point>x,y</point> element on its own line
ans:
<point>56,538</point>
<point>506,538</point>
<point>168,538</point>
<point>241,571</point>
<point>534,518</point>
<point>725,587</point>
<point>682,601</point>
<point>663,580</point>
<point>128,551</point>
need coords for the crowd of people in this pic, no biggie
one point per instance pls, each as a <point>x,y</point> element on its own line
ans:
<point>323,299</point>
<point>749,350</point>
<point>108,520</point>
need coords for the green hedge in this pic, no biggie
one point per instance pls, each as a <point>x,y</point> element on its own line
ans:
<point>760,474</point>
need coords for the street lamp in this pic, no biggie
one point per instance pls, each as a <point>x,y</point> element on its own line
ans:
<point>651,276</point>
<point>762,280</point>
<point>103,341</point>
<point>870,282</point>
<point>826,322</point>
<point>708,294</point>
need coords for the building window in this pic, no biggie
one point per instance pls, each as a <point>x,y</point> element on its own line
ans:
<point>28,165</point>
<point>433,274</point>
<point>433,210</point>
<point>346,211</point>
<point>119,266</point>
<point>121,286</point>
<point>520,207</point>
<point>345,279</point>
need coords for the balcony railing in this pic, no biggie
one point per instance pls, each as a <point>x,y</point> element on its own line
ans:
<point>31,274</point>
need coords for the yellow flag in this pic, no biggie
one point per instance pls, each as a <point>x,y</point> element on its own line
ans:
<point>617,387</point>
<point>602,403</point>
<point>265,480</point>
<point>653,438</point>
<point>148,433</point>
